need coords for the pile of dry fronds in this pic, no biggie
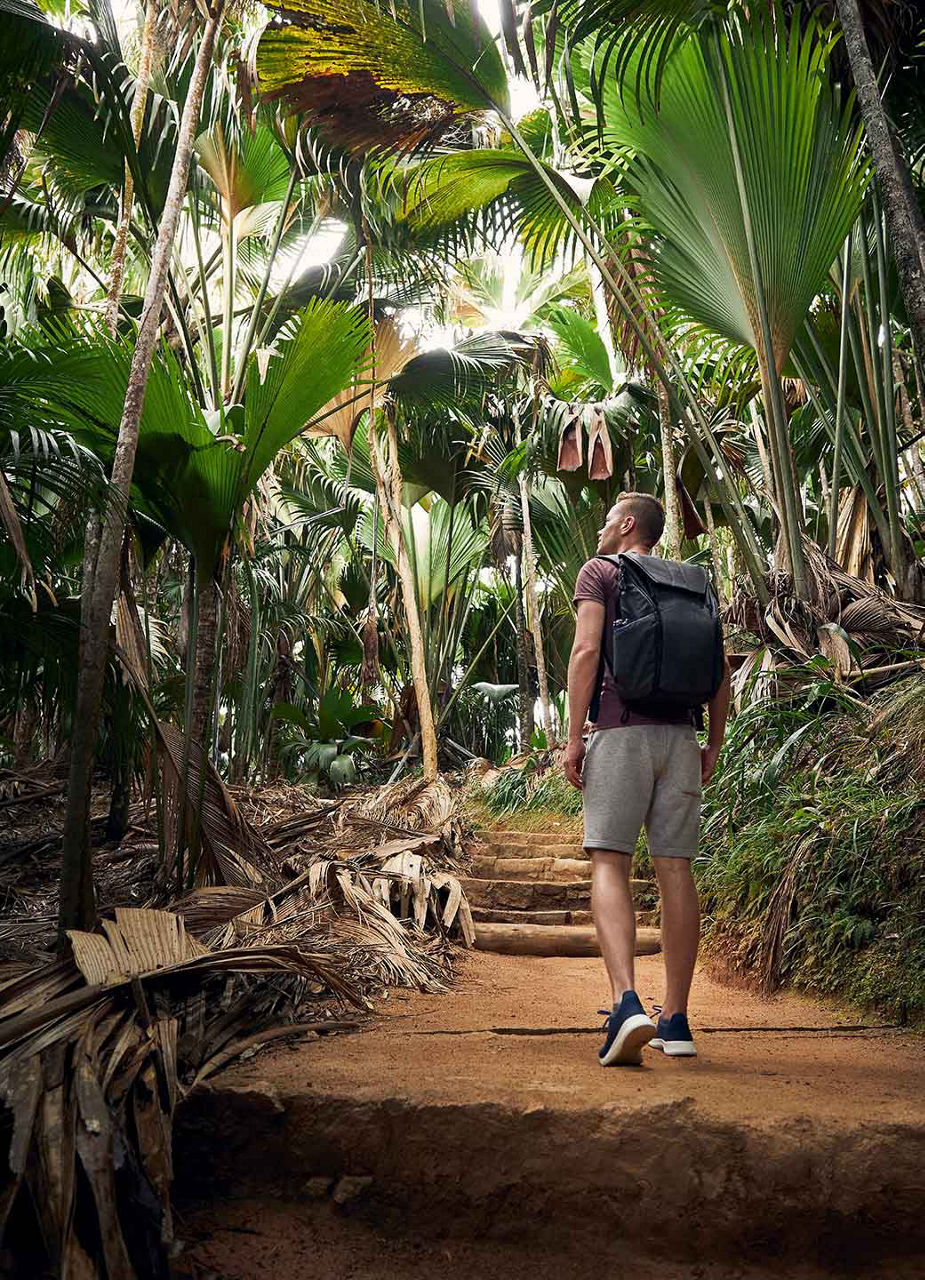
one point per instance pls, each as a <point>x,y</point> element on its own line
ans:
<point>310,904</point>
<point>852,623</point>
<point>96,1049</point>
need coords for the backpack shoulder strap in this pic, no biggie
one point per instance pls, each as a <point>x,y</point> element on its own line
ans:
<point>603,660</point>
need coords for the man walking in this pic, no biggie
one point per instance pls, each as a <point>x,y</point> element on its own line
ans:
<point>647,656</point>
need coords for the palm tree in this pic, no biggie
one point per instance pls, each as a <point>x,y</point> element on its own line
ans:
<point>903,208</point>
<point>77,909</point>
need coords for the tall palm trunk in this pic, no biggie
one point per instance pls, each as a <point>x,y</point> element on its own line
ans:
<point>142,84</point>
<point>77,909</point>
<point>203,658</point>
<point>904,214</point>
<point>388,485</point>
<point>533,613</point>
<point>669,470</point>
<point>523,669</point>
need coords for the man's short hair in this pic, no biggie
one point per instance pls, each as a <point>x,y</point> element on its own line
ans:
<point>648,512</point>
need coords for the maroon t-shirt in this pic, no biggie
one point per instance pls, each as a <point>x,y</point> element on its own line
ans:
<point>600,580</point>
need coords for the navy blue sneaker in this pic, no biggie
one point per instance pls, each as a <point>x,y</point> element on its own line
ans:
<point>628,1028</point>
<point>673,1036</point>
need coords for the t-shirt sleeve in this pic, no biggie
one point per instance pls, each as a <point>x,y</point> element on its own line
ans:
<point>592,583</point>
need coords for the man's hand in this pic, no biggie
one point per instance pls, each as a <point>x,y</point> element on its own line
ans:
<point>574,759</point>
<point>708,759</point>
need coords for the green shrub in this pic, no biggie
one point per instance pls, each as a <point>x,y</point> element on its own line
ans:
<point>814,848</point>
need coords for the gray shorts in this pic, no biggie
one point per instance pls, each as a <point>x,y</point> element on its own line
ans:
<point>643,775</point>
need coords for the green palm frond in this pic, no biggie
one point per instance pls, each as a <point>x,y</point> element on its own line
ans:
<point>582,352</point>
<point>31,51</point>
<point>803,169</point>
<point>248,170</point>
<point>637,33</point>
<point>434,533</point>
<point>320,355</point>
<point>463,375</point>
<point>368,75</point>
<point>488,192</point>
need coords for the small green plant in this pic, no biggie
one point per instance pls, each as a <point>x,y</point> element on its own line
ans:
<point>325,744</point>
<point>533,788</point>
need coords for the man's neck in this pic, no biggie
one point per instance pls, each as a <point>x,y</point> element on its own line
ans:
<point>638,547</point>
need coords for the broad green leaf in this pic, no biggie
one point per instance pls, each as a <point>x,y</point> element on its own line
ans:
<point>320,355</point>
<point>370,75</point>
<point>803,168</point>
<point>342,770</point>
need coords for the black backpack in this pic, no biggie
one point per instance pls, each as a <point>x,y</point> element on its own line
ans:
<point>665,651</point>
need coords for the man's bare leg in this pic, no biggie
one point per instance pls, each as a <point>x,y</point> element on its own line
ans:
<point>680,930</point>
<point>614,916</point>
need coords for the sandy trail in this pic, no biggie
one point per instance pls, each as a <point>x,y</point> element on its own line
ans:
<point>482,1118</point>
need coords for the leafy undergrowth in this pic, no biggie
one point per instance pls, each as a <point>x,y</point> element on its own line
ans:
<point>534,797</point>
<point>813,871</point>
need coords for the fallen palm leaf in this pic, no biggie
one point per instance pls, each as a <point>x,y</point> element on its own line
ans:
<point>93,1051</point>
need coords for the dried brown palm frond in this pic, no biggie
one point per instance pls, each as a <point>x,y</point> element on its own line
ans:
<point>383,903</point>
<point>853,540</point>
<point>852,622</point>
<point>94,1049</point>
<point>231,850</point>
<point>192,791</point>
<point>411,804</point>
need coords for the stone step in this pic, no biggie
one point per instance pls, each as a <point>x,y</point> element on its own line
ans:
<point>501,915</point>
<point>491,835</point>
<point>553,940</point>
<point>486,867</point>
<point>500,848</point>
<point>535,895</point>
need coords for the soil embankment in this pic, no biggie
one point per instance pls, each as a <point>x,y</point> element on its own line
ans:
<point>798,1135</point>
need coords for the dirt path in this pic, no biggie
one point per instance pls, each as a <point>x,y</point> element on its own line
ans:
<point>483,1114</point>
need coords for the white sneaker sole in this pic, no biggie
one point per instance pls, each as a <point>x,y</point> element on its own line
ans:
<point>629,1043</point>
<point>674,1048</point>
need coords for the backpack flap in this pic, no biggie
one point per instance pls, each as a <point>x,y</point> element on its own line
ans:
<point>668,573</point>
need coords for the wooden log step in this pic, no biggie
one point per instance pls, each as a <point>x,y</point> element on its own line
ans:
<point>500,915</point>
<point>535,895</point>
<point>553,940</point>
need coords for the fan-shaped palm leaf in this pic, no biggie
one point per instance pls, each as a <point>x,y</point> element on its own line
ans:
<point>368,75</point>
<point>802,169</point>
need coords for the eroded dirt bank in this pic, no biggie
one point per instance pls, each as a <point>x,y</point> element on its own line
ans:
<point>483,1115</point>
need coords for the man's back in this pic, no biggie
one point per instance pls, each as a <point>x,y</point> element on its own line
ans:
<point>599,580</point>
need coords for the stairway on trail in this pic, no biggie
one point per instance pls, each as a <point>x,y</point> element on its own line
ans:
<point>530,894</point>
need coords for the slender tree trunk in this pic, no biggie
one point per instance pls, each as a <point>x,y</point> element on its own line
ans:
<point>119,799</point>
<point>204,660</point>
<point>714,549</point>
<point>77,909</point>
<point>533,612</point>
<point>120,244</point>
<point>904,215</point>
<point>523,669</point>
<point>388,483</point>
<point>669,470</point>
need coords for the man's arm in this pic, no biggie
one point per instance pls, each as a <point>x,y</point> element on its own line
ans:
<point>718,713</point>
<point>582,677</point>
